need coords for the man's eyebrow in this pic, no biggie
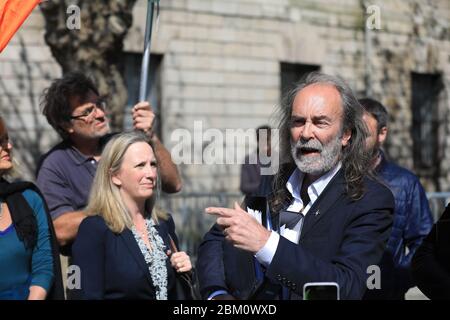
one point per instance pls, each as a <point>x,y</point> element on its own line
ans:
<point>322,117</point>
<point>315,118</point>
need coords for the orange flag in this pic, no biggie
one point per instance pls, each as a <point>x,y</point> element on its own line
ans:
<point>12,14</point>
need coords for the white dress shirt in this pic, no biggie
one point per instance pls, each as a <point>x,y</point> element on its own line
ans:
<point>294,185</point>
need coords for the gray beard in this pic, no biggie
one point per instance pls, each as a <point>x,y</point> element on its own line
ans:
<point>317,165</point>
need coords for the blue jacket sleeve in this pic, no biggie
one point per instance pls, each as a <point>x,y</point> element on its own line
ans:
<point>419,222</point>
<point>42,258</point>
<point>210,266</point>
<point>88,254</point>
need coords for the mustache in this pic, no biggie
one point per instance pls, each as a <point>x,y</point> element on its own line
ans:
<point>308,145</point>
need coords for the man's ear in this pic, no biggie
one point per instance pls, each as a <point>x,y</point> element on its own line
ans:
<point>382,135</point>
<point>67,126</point>
<point>346,137</point>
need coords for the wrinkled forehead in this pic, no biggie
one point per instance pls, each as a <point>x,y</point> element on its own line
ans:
<point>318,98</point>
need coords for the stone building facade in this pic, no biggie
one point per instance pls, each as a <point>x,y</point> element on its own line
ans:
<point>224,63</point>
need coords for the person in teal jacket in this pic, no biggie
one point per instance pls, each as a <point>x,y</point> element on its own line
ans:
<point>27,264</point>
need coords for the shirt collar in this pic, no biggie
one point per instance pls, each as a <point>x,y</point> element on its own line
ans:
<point>77,156</point>
<point>294,184</point>
<point>80,158</point>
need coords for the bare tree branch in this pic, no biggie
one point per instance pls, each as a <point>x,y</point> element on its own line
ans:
<point>96,48</point>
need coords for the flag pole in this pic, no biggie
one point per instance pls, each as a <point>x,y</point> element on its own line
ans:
<point>143,84</point>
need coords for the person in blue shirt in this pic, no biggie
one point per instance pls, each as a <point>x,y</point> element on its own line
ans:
<point>412,216</point>
<point>27,263</point>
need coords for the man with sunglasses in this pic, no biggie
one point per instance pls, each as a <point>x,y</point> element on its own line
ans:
<point>74,108</point>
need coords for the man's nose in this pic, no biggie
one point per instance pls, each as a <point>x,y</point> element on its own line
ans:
<point>307,132</point>
<point>99,112</point>
<point>6,145</point>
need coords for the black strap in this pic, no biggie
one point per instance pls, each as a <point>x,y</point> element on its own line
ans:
<point>21,214</point>
<point>188,279</point>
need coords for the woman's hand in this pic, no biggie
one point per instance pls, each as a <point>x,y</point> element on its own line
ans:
<point>180,261</point>
<point>37,293</point>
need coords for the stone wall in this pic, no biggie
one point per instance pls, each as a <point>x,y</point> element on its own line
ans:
<point>26,69</point>
<point>221,66</point>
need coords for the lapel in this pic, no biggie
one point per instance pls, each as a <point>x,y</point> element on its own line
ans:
<point>334,191</point>
<point>128,238</point>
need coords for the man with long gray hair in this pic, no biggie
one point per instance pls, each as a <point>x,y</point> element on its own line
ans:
<point>328,220</point>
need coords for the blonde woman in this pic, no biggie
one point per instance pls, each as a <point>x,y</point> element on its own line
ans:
<point>122,247</point>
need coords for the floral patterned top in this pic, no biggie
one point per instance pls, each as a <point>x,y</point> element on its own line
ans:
<point>155,258</point>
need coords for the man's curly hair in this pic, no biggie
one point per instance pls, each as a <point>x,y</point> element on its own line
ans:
<point>55,101</point>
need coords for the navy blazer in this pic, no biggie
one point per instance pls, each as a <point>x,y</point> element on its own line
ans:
<point>337,244</point>
<point>112,265</point>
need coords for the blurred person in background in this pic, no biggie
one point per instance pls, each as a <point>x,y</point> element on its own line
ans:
<point>251,177</point>
<point>412,216</point>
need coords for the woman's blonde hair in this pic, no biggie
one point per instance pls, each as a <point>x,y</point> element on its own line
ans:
<point>105,198</point>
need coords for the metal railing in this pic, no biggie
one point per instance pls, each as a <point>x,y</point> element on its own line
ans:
<point>438,201</point>
<point>188,210</point>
